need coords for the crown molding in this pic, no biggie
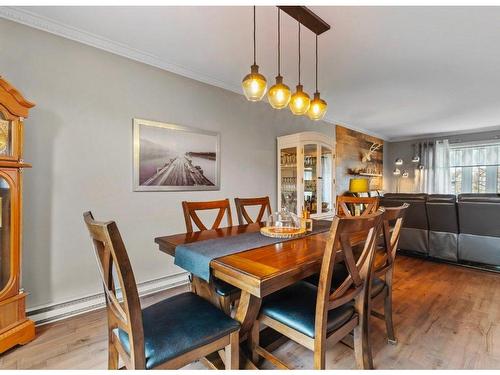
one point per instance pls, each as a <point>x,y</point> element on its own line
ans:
<point>453,134</point>
<point>39,22</point>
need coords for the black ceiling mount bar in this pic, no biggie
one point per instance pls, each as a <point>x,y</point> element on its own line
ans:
<point>307,18</point>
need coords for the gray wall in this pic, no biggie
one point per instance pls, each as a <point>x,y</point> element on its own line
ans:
<point>404,150</point>
<point>79,139</point>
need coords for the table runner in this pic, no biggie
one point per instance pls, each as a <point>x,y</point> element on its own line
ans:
<point>196,257</point>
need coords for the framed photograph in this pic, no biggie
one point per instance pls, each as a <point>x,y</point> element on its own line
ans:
<point>171,157</point>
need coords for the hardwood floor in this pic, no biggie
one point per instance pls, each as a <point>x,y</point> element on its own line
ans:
<point>446,317</point>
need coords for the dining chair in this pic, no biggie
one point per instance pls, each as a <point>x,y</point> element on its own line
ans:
<point>225,294</point>
<point>346,205</point>
<point>167,335</point>
<point>383,270</point>
<point>244,217</point>
<point>190,209</point>
<point>309,315</point>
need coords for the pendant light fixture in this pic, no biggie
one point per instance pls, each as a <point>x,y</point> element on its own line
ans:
<point>318,107</point>
<point>279,94</point>
<point>254,84</point>
<point>300,101</point>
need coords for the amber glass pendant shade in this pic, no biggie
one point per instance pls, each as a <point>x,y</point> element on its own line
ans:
<point>279,95</point>
<point>299,102</point>
<point>254,85</point>
<point>317,109</point>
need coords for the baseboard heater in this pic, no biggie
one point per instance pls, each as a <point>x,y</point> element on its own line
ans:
<point>54,312</point>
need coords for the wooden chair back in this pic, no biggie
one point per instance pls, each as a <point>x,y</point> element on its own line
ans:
<point>370,203</point>
<point>343,231</point>
<point>392,220</point>
<point>190,209</point>
<point>244,217</point>
<point>122,299</point>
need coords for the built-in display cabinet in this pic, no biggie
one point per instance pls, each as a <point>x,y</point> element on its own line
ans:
<point>306,165</point>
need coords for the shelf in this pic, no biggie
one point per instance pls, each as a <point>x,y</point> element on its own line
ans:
<point>366,174</point>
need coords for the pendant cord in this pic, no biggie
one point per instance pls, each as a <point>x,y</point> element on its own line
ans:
<point>316,62</point>
<point>299,52</point>
<point>279,43</point>
<point>254,58</point>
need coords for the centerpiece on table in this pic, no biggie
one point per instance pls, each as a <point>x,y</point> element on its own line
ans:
<point>283,224</point>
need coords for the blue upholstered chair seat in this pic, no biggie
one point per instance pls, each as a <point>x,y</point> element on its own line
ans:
<point>224,289</point>
<point>178,325</point>
<point>295,306</point>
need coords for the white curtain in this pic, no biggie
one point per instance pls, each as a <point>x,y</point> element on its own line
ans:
<point>434,178</point>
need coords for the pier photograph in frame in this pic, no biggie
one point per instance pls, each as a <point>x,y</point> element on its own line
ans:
<point>171,157</point>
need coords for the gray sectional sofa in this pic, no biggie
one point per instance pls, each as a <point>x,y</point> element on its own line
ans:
<point>463,230</point>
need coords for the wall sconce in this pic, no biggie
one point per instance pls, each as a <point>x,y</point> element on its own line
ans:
<point>399,161</point>
<point>405,174</point>
<point>416,155</point>
<point>396,172</point>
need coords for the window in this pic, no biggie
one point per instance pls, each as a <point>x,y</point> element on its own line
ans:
<point>475,168</point>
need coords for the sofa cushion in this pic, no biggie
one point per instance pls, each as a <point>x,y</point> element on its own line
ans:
<point>479,214</point>
<point>416,213</point>
<point>442,213</point>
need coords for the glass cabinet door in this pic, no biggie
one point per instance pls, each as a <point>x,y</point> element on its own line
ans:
<point>310,178</point>
<point>326,168</point>
<point>5,243</point>
<point>288,170</point>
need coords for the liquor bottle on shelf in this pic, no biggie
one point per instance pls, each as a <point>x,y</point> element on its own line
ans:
<point>306,220</point>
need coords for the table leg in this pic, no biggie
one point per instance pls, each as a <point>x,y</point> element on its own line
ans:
<point>247,311</point>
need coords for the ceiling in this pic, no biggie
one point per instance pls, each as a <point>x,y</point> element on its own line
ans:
<point>396,72</point>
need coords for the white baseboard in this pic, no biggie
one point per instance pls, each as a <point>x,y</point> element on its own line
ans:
<point>53,312</point>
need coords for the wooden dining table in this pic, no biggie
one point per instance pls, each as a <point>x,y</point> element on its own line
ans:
<point>257,272</point>
<point>260,271</point>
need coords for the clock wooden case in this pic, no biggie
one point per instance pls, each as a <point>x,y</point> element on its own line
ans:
<point>15,328</point>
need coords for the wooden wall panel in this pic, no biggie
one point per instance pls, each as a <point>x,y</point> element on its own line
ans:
<point>351,146</point>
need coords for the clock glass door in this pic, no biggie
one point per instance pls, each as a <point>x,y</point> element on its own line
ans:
<point>5,242</point>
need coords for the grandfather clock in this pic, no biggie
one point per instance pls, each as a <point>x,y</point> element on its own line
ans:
<point>15,329</point>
